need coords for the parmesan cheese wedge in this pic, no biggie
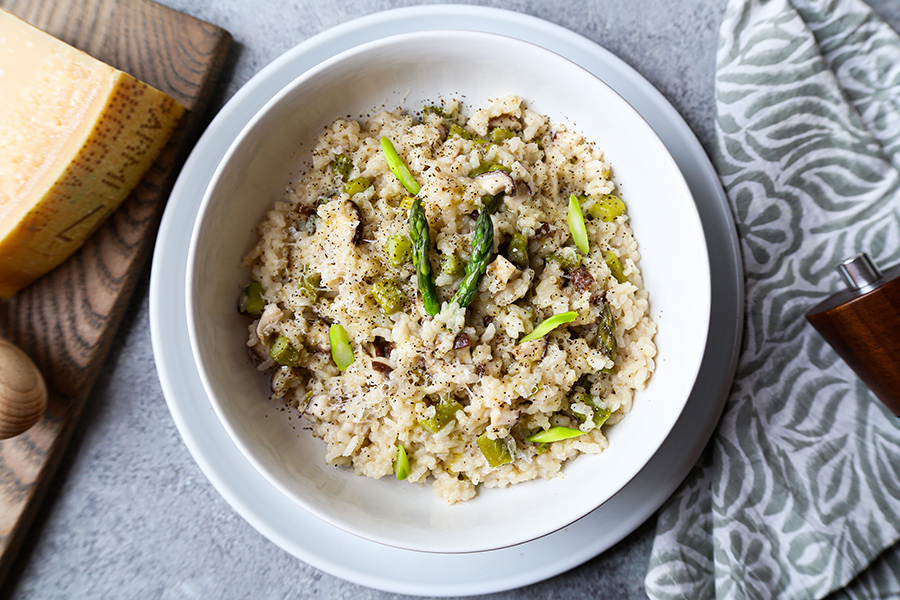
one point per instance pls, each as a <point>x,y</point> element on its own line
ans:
<point>76,136</point>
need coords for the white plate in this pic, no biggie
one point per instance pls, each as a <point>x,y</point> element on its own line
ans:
<point>368,563</point>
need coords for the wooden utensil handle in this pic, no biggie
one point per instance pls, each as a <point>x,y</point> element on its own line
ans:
<point>23,392</point>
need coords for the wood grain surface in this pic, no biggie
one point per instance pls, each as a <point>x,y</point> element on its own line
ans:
<point>66,320</point>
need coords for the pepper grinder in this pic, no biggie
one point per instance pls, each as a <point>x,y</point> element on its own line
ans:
<point>862,323</point>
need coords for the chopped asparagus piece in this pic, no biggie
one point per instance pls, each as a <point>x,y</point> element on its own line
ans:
<point>285,353</point>
<point>495,451</point>
<point>341,352</point>
<point>388,296</point>
<point>252,300</point>
<point>517,250</point>
<point>398,167</point>
<point>576,225</point>
<point>399,250</point>
<point>555,434</point>
<point>615,266</point>
<point>357,185</point>
<point>548,325</point>
<point>342,166</point>
<point>401,463</point>
<point>607,208</point>
<point>444,414</point>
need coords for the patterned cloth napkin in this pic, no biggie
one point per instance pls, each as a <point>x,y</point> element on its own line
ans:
<point>798,493</point>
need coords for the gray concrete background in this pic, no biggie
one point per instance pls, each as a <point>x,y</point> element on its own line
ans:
<point>130,515</point>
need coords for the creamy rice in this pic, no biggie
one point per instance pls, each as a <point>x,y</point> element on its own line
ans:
<point>327,253</point>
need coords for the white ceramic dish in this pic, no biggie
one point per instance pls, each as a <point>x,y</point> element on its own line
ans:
<point>410,71</point>
<point>367,563</point>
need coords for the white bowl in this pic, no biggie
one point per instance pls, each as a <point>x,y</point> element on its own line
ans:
<point>412,70</point>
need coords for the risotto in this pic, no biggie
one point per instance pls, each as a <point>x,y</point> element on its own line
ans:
<point>452,301</point>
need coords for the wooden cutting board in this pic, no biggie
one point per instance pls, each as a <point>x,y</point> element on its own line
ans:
<point>66,321</point>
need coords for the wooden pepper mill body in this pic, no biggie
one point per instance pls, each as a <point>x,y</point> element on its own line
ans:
<point>863,326</point>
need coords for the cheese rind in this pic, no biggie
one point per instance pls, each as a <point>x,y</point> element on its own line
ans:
<point>76,136</point>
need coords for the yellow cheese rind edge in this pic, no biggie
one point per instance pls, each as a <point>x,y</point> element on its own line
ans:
<point>73,206</point>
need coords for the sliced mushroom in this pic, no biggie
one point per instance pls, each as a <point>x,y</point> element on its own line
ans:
<point>383,348</point>
<point>532,351</point>
<point>317,336</point>
<point>494,182</point>
<point>461,341</point>
<point>498,274</point>
<point>581,279</point>
<point>306,218</point>
<point>382,366</point>
<point>305,211</point>
<point>271,316</point>
<point>258,352</point>
<point>542,231</point>
<point>281,381</point>
<point>357,236</point>
<point>521,194</point>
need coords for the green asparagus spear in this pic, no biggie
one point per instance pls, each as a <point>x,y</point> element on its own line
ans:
<point>437,110</point>
<point>309,283</point>
<point>606,335</point>
<point>491,203</point>
<point>487,166</point>
<point>466,134</point>
<point>499,134</point>
<point>482,250</point>
<point>421,244</point>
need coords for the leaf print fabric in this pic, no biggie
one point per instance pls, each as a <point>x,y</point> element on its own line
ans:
<point>798,493</point>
